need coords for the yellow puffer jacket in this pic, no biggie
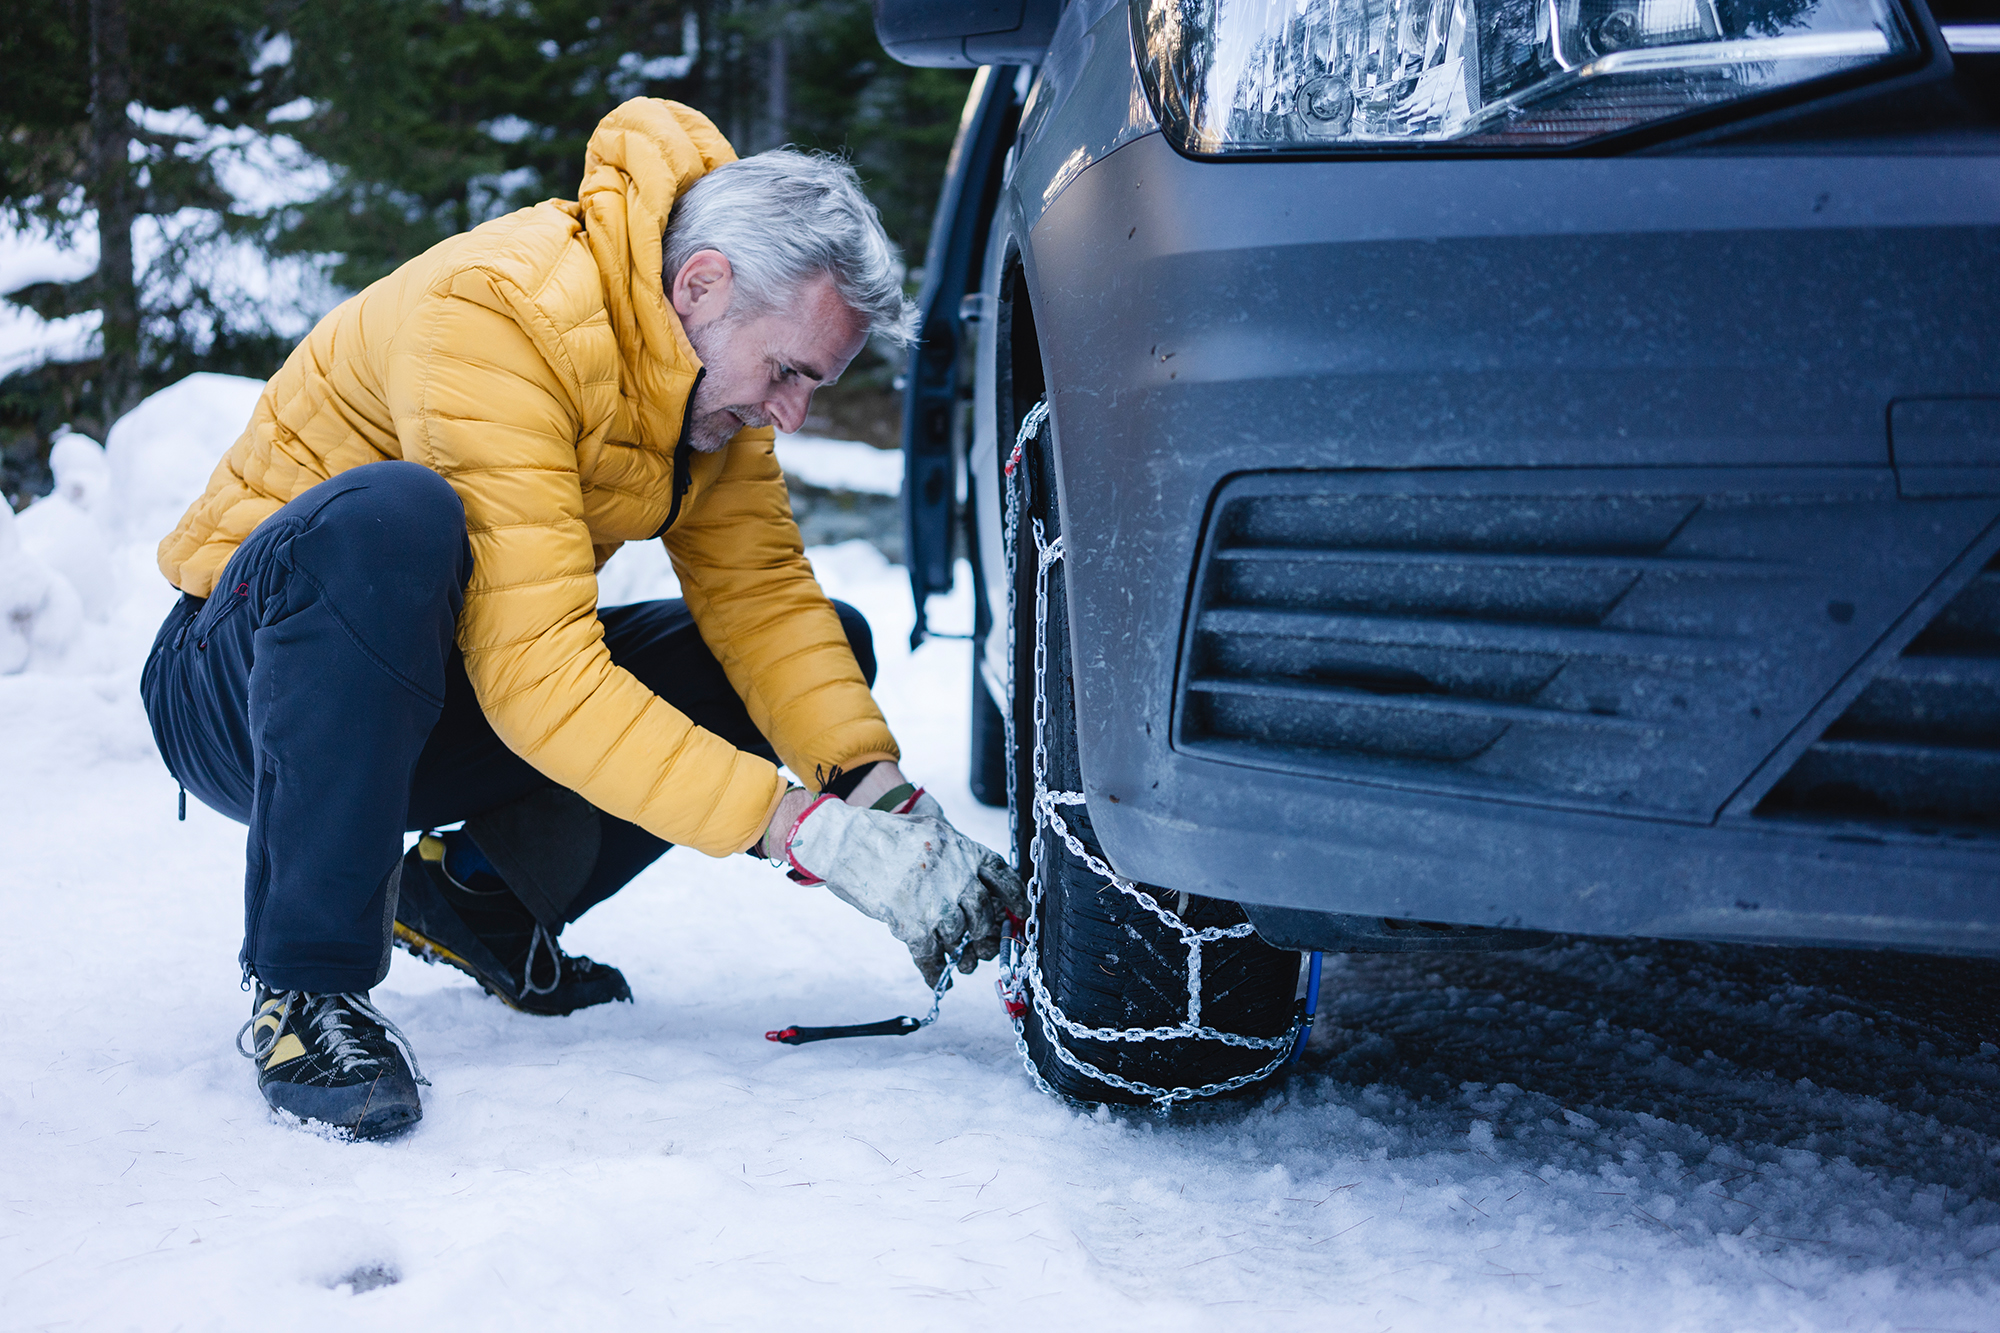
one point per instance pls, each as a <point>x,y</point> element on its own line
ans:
<point>536,365</point>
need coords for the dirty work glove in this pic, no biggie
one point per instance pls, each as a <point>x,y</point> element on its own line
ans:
<point>929,883</point>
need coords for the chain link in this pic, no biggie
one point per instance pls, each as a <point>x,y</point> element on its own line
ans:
<point>943,983</point>
<point>1026,965</point>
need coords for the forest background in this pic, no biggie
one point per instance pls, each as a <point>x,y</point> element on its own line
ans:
<point>217,173</point>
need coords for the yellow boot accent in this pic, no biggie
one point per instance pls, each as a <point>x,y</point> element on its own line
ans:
<point>269,1019</point>
<point>289,1047</point>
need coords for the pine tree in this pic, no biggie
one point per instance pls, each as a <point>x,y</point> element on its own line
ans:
<point>432,115</point>
<point>73,159</point>
<point>438,114</point>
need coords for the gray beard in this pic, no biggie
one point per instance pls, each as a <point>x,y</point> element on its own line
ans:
<point>708,433</point>
<point>712,424</point>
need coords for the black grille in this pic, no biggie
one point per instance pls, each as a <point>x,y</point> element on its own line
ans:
<point>1922,742</point>
<point>1623,638</point>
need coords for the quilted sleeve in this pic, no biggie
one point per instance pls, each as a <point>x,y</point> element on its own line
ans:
<point>494,410</point>
<point>745,576</point>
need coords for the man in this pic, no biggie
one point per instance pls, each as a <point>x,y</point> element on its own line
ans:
<point>390,617</point>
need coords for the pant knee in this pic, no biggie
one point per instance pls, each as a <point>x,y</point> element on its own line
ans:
<point>859,637</point>
<point>398,524</point>
<point>401,509</point>
<point>415,489</point>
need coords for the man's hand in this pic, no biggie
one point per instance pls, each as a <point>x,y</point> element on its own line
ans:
<point>881,779</point>
<point>929,883</point>
<point>790,806</point>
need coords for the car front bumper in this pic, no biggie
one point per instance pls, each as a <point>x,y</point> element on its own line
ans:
<point>1733,329</point>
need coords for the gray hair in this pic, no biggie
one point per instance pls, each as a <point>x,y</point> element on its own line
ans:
<point>783,218</point>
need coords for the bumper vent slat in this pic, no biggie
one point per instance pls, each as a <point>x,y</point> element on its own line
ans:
<point>1313,694</point>
<point>1468,634</point>
<point>1633,640</point>
<point>1481,561</point>
<point>1921,745</point>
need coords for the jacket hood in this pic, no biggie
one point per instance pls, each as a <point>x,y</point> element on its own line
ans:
<point>640,158</point>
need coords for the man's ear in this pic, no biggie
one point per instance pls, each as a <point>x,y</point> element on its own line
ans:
<point>700,292</point>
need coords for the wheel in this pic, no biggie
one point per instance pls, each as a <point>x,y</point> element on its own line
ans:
<point>1143,995</point>
<point>989,743</point>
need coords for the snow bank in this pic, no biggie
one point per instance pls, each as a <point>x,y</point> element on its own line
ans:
<point>841,465</point>
<point>65,529</point>
<point>39,610</point>
<point>1586,1137</point>
<point>78,581</point>
<point>163,451</point>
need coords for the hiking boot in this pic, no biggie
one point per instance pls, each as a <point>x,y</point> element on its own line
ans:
<point>334,1060</point>
<point>479,927</point>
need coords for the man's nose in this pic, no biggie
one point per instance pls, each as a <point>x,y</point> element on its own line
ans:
<point>787,407</point>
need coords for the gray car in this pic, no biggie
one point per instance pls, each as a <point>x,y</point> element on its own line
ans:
<point>1441,472</point>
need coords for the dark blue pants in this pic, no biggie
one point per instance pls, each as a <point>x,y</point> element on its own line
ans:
<point>319,698</point>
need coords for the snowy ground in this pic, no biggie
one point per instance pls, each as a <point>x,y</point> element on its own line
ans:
<point>1582,1137</point>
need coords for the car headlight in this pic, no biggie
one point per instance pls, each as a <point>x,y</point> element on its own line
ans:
<point>1236,76</point>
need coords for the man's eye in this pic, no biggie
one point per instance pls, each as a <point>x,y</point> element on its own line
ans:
<point>786,372</point>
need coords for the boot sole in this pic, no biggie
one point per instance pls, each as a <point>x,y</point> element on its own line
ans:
<point>432,952</point>
<point>368,1116</point>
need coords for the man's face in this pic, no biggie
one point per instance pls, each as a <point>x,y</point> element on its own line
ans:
<point>762,369</point>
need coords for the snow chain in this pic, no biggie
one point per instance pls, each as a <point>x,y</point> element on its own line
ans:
<point>1021,969</point>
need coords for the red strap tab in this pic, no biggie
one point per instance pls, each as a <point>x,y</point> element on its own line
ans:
<point>1015,1006</point>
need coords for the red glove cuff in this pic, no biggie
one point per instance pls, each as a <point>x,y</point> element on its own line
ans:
<point>799,872</point>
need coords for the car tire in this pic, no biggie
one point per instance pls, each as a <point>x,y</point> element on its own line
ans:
<point>1109,961</point>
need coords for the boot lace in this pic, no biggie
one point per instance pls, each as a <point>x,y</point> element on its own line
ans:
<point>328,1014</point>
<point>541,940</point>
